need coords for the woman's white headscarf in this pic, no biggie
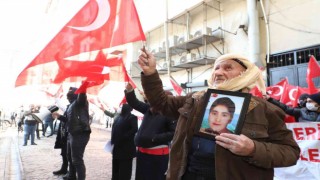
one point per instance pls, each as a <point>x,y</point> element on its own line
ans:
<point>248,79</point>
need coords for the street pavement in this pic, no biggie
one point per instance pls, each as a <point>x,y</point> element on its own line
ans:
<point>37,162</point>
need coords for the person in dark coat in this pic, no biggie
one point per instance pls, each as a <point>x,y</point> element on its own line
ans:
<point>76,118</point>
<point>61,143</point>
<point>302,114</point>
<point>122,138</point>
<point>153,139</point>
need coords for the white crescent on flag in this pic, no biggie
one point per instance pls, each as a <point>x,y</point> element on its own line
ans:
<point>280,90</point>
<point>291,93</point>
<point>101,19</point>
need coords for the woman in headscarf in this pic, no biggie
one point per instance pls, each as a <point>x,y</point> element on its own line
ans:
<point>124,128</point>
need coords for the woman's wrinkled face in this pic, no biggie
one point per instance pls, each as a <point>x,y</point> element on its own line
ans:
<point>226,70</point>
<point>219,118</point>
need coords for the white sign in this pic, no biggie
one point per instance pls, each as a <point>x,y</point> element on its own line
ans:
<point>307,136</point>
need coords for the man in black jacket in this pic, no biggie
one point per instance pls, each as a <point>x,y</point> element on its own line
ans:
<point>153,138</point>
<point>78,128</point>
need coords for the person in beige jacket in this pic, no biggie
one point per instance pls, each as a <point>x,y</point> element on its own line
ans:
<point>264,142</point>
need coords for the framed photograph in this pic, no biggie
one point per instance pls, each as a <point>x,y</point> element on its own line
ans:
<point>224,112</point>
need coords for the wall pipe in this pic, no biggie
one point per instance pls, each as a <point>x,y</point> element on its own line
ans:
<point>253,33</point>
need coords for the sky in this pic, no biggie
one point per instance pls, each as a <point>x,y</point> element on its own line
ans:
<point>28,25</point>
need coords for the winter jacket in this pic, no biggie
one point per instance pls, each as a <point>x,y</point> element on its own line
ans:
<point>302,114</point>
<point>155,128</point>
<point>274,143</point>
<point>77,116</point>
<point>62,134</point>
<point>122,135</point>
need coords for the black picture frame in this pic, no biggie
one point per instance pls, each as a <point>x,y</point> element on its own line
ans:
<point>236,101</point>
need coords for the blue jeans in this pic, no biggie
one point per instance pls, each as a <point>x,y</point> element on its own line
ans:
<point>46,124</point>
<point>29,130</point>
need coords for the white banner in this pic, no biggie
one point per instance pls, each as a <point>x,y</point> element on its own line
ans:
<point>307,136</point>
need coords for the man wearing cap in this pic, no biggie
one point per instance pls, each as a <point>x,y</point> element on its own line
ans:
<point>264,142</point>
<point>78,128</point>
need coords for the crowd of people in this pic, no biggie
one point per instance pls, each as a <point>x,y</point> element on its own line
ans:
<point>166,145</point>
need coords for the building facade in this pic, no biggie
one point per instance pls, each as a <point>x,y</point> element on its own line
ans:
<point>277,35</point>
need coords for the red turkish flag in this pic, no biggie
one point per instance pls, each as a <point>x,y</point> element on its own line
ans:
<point>117,73</point>
<point>312,72</point>
<point>291,94</point>
<point>98,25</point>
<point>123,101</point>
<point>85,85</point>
<point>276,91</point>
<point>97,70</point>
<point>127,77</point>
<point>285,98</point>
<point>297,94</point>
<point>256,92</point>
<point>177,88</point>
<point>289,119</point>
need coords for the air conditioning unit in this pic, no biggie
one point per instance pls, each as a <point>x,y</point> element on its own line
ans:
<point>173,41</point>
<point>165,65</point>
<point>183,59</point>
<point>181,40</point>
<point>197,34</point>
<point>191,57</point>
<point>208,31</point>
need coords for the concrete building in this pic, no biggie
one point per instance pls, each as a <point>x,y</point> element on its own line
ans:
<point>277,35</point>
